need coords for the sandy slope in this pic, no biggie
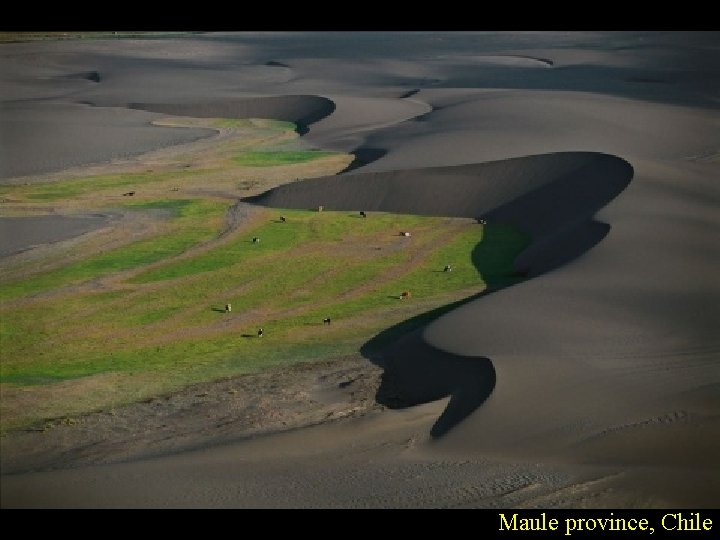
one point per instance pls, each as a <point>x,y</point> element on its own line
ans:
<point>607,375</point>
<point>20,233</point>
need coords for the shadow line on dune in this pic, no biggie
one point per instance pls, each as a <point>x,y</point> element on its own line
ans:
<point>550,197</point>
<point>415,372</point>
<point>303,110</point>
<point>362,156</point>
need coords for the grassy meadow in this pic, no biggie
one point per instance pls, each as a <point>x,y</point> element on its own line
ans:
<point>143,314</point>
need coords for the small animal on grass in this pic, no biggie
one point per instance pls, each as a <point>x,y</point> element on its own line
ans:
<point>256,240</point>
<point>129,194</point>
<point>320,208</point>
<point>326,321</point>
<point>282,219</point>
<point>447,268</point>
<point>260,332</point>
<point>404,233</point>
<point>405,294</point>
<point>362,214</point>
<point>228,308</point>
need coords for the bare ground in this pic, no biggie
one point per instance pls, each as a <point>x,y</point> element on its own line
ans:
<point>200,415</point>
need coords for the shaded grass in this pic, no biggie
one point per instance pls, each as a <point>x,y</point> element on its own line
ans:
<point>69,189</point>
<point>269,158</point>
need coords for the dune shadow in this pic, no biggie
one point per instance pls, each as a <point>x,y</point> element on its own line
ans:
<point>551,198</point>
<point>409,93</point>
<point>303,110</point>
<point>275,63</point>
<point>363,156</point>
<point>417,373</point>
<point>92,76</point>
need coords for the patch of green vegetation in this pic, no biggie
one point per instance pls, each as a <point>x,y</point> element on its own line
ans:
<point>69,189</point>
<point>165,326</point>
<point>152,316</point>
<point>284,298</point>
<point>272,158</point>
<point>301,227</point>
<point>245,123</point>
<point>190,227</point>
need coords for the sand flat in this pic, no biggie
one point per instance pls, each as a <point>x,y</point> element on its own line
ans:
<point>20,233</point>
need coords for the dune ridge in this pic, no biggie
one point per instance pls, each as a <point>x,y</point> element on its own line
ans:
<point>303,110</point>
<point>552,197</point>
<point>547,196</point>
<point>605,365</point>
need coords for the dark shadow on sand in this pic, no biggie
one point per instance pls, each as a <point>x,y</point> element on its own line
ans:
<point>363,156</point>
<point>302,110</point>
<point>414,372</point>
<point>552,198</point>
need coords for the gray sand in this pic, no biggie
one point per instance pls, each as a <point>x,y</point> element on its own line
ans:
<point>606,361</point>
<point>20,233</point>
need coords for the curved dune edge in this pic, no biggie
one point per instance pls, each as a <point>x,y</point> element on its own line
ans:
<point>303,110</point>
<point>362,156</point>
<point>508,60</point>
<point>552,197</point>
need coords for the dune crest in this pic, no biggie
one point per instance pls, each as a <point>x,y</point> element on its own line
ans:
<point>549,196</point>
<point>552,197</point>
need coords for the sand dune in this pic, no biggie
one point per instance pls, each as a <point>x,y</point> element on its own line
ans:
<point>594,383</point>
<point>552,197</point>
<point>77,135</point>
<point>303,110</point>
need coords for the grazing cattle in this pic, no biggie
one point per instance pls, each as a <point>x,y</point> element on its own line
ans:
<point>447,268</point>
<point>260,332</point>
<point>482,221</point>
<point>174,189</point>
<point>228,308</point>
<point>404,295</point>
<point>363,214</point>
<point>320,208</point>
<point>282,219</point>
<point>404,233</point>
<point>326,321</point>
<point>256,240</point>
<point>129,194</point>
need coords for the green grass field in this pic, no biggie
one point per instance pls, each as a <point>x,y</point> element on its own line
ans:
<point>148,316</point>
<point>282,157</point>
